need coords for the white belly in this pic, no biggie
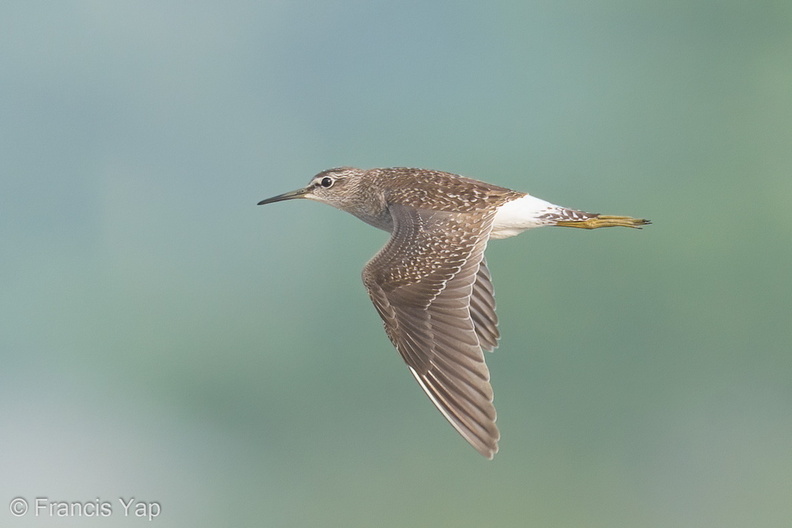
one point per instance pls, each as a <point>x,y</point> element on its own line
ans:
<point>520,214</point>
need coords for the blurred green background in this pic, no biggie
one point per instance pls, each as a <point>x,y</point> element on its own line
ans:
<point>163,338</point>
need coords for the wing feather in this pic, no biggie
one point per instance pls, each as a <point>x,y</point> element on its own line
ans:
<point>482,309</point>
<point>431,287</point>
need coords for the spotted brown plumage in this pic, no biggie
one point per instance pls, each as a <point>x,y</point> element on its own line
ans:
<point>430,283</point>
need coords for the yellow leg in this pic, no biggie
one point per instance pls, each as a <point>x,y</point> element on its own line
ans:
<point>605,221</point>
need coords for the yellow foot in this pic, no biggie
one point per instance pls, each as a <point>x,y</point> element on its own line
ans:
<point>605,221</point>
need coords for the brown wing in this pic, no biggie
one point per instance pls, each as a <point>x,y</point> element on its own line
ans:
<point>482,309</point>
<point>422,285</point>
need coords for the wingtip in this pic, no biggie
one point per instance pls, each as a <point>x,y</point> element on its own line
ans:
<point>489,454</point>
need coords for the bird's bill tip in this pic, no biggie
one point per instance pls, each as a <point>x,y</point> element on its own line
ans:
<point>299,193</point>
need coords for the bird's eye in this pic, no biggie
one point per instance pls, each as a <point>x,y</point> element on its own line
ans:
<point>326,182</point>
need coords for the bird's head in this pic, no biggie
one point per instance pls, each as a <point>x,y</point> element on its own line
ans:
<point>334,187</point>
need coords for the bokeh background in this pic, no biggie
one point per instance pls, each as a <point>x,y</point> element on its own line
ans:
<point>163,338</point>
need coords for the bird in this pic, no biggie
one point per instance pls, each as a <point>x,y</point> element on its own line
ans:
<point>430,283</point>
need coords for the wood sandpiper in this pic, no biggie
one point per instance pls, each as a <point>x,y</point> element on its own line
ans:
<point>430,282</point>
